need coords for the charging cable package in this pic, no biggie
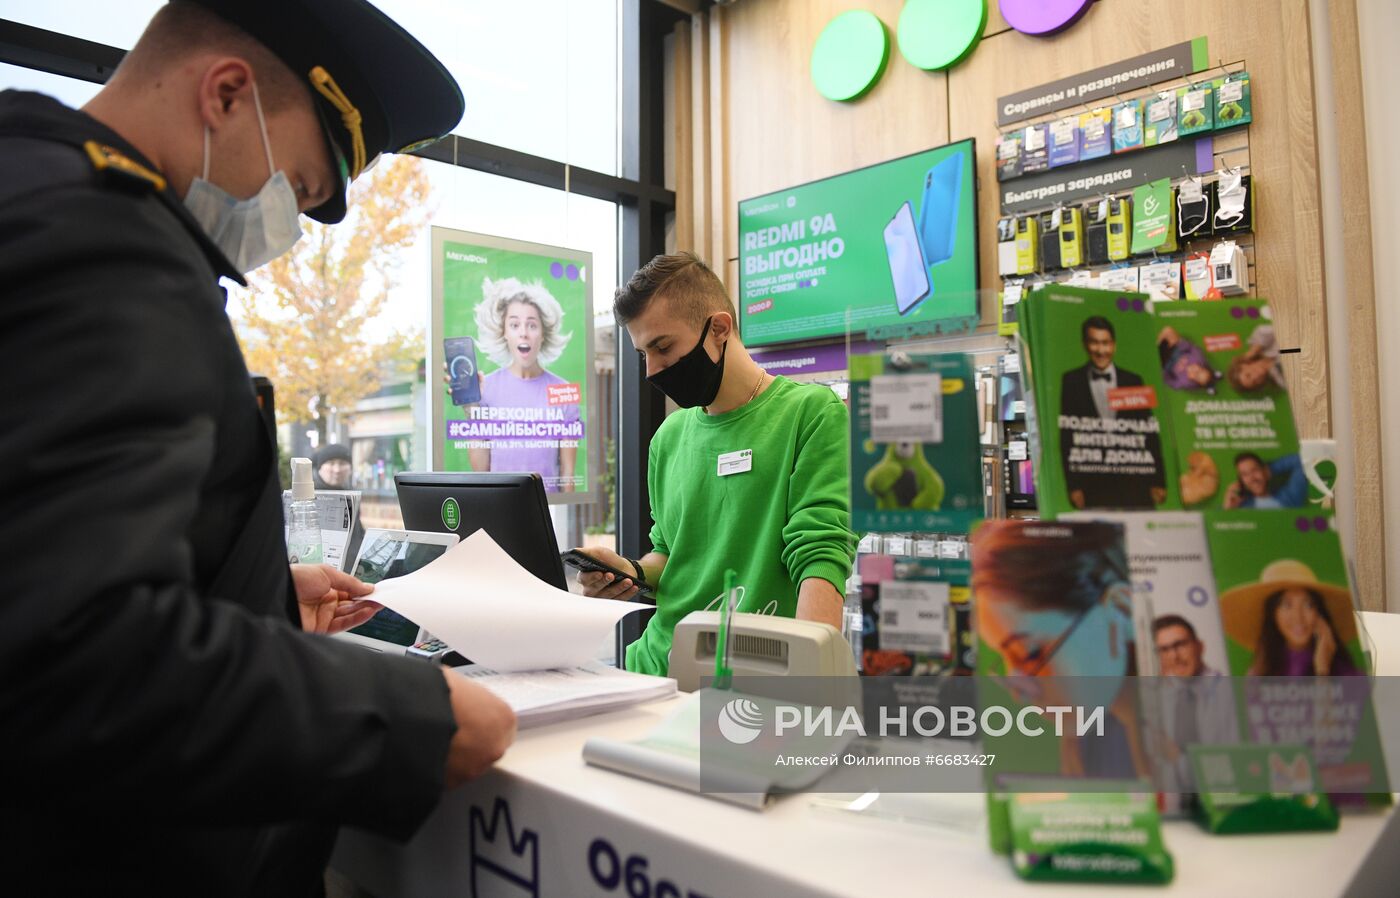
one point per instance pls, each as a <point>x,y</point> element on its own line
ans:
<point>1036,156</point>
<point>1006,246</point>
<point>1064,142</point>
<point>1234,203</point>
<point>1193,217</point>
<point>1196,281</point>
<point>1229,269</point>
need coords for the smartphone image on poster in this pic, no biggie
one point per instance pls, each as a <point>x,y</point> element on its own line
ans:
<point>460,353</point>
<point>908,270</point>
<point>938,217</point>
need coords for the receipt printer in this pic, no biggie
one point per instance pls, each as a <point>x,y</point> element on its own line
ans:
<point>760,645</point>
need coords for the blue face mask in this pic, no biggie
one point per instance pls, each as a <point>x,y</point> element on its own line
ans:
<point>254,231</point>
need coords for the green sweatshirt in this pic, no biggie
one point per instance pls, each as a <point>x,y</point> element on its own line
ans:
<point>785,520</point>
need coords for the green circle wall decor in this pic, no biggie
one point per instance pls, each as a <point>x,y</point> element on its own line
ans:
<point>939,34</point>
<point>850,55</point>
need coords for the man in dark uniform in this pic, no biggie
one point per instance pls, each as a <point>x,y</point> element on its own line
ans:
<point>169,727</point>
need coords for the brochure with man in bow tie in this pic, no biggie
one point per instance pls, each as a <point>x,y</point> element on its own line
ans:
<point>1100,414</point>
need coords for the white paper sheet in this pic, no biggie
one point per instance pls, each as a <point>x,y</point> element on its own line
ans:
<point>481,603</point>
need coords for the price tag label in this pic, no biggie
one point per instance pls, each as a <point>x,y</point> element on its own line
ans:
<point>1192,191</point>
<point>1016,450</point>
<point>906,408</point>
<point>1160,110</point>
<point>1127,117</point>
<point>1011,363</point>
<point>1094,127</point>
<point>1063,131</point>
<point>1011,293</point>
<point>1035,137</point>
<point>914,616</point>
<point>1008,145</point>
<point>951,549</point>
<point>1195,99</point>
<point>1231,91</point>
<point>925,548</point>
<point>869,544</point>
<point>1018,406</point>
<point>897,545</point>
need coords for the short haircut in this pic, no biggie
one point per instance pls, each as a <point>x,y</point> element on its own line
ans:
<point>1250,456</point>
<point>182,29</point>
<point>1097,322</point>
<point>1173,620</point>
<point>686,283</point>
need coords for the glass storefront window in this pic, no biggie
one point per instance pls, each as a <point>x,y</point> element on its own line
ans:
<point>539,77</point>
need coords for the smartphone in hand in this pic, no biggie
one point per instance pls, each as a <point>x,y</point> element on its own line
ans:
<point>460,353</point>
<point>590,565</point>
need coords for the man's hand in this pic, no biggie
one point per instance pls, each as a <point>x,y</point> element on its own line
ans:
<point>1325,649</point>
<point>330,600</point>
<point>1076,498</point>
<point>1159,495</point>
<point>485,729</point>
<point>607,586</point>
<point>1233,497</point>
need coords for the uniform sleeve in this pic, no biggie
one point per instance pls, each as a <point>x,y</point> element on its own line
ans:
<point>660,541</point>
<point>120,686</point>
<point>817,538</point>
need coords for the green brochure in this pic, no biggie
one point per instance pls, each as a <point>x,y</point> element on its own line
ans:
<point>916,460</point>
<point>1100,428</point>
<point>1232,421</point>
<point>1114,836</point>
<point>1260,789</point>
<point>1291,631</point>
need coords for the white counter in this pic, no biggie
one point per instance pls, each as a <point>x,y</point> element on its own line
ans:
<point>560,812</point>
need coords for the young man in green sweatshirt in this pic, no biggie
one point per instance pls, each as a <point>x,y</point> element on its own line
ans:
<point>752,473</point>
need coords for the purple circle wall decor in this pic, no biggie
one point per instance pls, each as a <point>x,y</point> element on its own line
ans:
<point>1042,17</point>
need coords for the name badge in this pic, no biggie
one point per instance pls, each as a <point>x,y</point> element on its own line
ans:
<point>735,462</point>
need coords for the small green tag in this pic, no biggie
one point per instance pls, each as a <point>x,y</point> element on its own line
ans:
<point>868,366</point>
<point>451,514</point>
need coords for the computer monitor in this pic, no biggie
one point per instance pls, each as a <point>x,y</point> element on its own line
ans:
<point>510,507</point>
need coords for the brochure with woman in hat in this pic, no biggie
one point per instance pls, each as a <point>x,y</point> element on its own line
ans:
<point>1291,627</point>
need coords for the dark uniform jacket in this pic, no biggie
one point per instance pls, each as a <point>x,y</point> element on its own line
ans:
<point>1107,490</point>
<point>167,728</point>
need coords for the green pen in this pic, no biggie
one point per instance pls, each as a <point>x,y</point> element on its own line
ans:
<point>723,675</point>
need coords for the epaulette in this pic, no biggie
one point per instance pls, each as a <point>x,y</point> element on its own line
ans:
<point>121,170</point>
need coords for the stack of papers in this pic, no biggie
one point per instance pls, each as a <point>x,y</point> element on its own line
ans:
<point>542,697</point>
<point>475,598</point>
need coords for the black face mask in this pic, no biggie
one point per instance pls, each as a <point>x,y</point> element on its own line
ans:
<point>694,379</point>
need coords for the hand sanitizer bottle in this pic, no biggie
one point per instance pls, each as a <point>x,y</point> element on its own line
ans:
<point>304,524</point>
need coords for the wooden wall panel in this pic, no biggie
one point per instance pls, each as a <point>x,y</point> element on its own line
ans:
<point>759,126</point>
<point>1271,38</point>
<point>779,131</point>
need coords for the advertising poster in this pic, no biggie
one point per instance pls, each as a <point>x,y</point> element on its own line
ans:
<point>1236,444</point>
<point>915,458</point>
<point>890,250</point>
<point>512,339</point>
<point>1288,612</point>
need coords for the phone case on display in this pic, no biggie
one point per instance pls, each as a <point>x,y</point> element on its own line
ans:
<point>1096,234</point>
<point>1027,244</point>
<point>1232,204</point>
<point>1010,152</point>
<point>1120,229</point>
<point>1071,237</point>
<point>1049,243</point>
<point>1193,218</point>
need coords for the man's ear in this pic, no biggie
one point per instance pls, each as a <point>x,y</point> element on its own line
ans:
<point>722,326</point>
<point>225,85</point>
